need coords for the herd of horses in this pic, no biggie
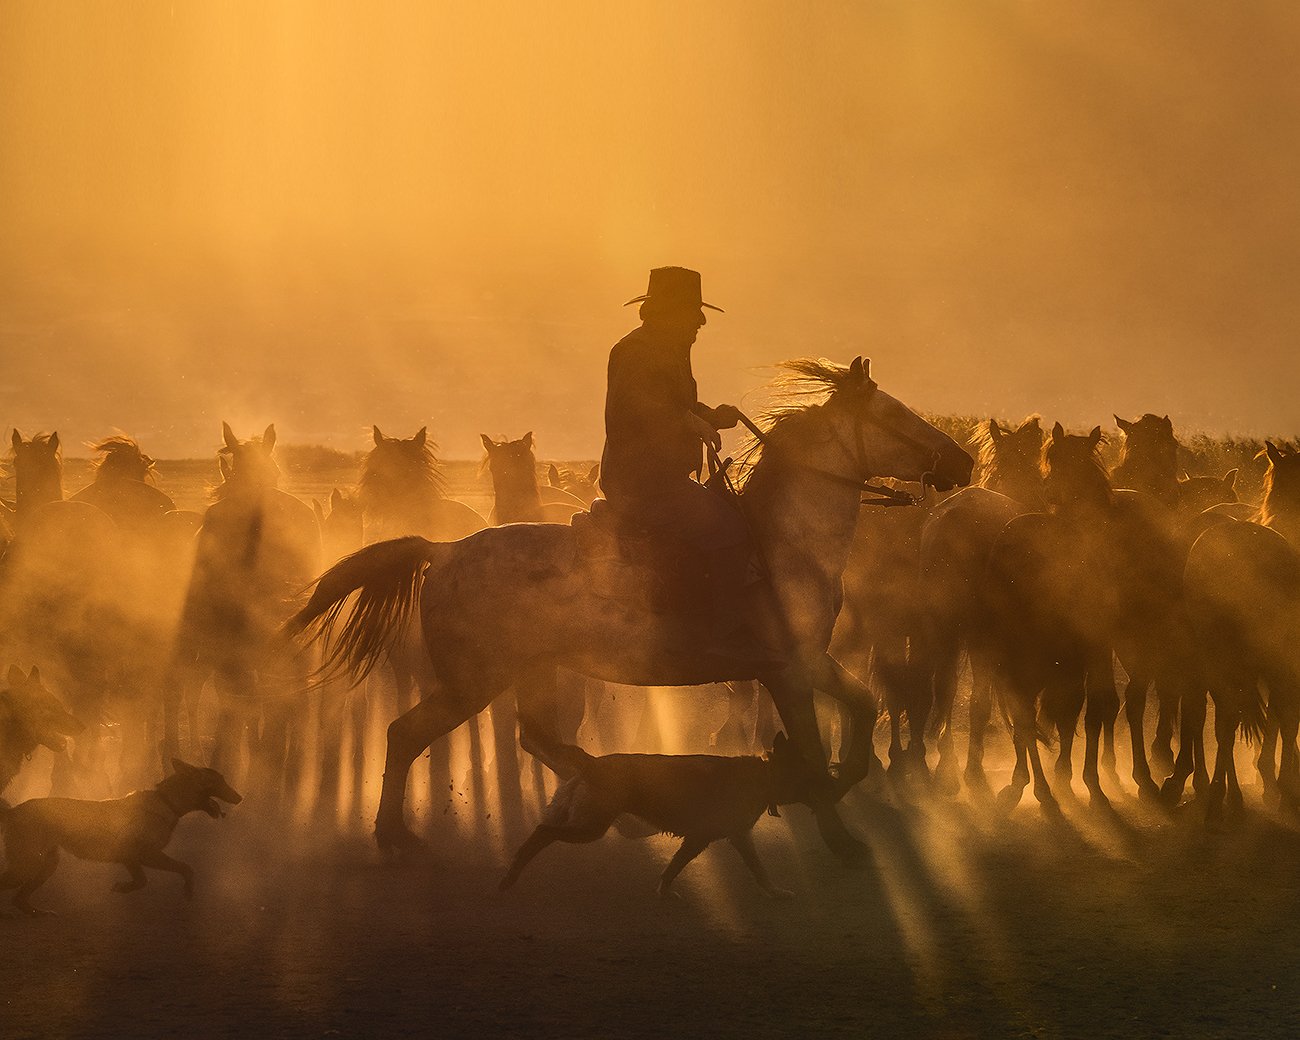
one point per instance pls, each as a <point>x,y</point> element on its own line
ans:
<point>245,635</point>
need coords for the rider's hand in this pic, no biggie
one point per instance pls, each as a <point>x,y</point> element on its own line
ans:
<point>725,416</point>
<point>705,431</point>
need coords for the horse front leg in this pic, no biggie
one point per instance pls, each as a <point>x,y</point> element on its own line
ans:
<point>792,693</point>
<point>860,711</point>
<point>1135,707</point>
<point>1102,710</point>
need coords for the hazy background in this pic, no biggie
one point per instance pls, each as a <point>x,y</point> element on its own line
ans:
<point>328,215</point>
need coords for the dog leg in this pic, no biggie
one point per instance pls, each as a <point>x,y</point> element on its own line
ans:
<point>538,840</point>
<point>49,862</point>
<point>137,881</point>
<point>691,847</point>
<point>744,844</point>
<point>159,860</point>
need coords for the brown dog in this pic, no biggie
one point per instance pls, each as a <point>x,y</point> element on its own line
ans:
<point>132,831</point>
<point>699,798</point>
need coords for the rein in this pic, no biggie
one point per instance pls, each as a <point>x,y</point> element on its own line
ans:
<point>881,494</point>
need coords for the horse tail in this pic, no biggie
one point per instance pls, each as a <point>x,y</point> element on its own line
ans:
<point>1254,714</point>
<point>382,583</point>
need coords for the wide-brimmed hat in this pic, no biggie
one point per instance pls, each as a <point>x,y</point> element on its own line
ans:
<point>675,286</point>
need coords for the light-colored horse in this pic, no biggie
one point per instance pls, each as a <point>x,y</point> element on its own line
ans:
<point>507,606</point>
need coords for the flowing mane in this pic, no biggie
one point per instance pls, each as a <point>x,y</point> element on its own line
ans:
<point>804,385</point>
<point>396,469</point>
<point>120,456</point>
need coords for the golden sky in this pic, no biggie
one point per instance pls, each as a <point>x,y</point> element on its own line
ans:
<point>328,215</point>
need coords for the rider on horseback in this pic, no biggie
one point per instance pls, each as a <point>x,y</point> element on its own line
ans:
<point>655,427</point>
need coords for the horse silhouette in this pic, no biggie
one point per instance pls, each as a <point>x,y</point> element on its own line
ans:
<point>508,605</point>
<point>257,549</point>
<point>955,542</point>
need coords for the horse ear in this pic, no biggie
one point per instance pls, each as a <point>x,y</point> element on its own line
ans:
<point>268,438</point>
<point>552,475</point>
<point>34,676</point>
<point>1273,452</point>
<point>1058,432</point>
<point>228,435</point>
<point>421,436</point>
<point>316,508</point>
<point>15,677</point>
<point>54,442</point>
<point>780,742</point>
<point>378,435</point>
<point>995,431</point>
<point>1030,423</point>
<point>1123,424</point>
<point>336,498</point>
<point>487,442</point>
<point>528,439</point>
<point>593,474</point>
<point>1230,480</point>
<point>1168,424</point>
<point>856,372</point>
<point>16,440</point>
<point>1094,438</point>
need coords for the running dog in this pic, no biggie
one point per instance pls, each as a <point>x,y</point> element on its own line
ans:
<point>699,798</point>
<point>132,831</point>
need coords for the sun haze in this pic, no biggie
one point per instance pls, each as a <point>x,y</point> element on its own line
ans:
<point>328,216</point>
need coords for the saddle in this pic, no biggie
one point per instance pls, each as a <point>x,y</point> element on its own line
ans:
<point>629,563</point>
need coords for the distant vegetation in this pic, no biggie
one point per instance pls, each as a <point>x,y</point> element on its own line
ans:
<point>309,458</point>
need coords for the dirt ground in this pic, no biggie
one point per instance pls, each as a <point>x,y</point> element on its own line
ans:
<point>964,925</point>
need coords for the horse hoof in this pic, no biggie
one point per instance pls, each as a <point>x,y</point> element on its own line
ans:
<point>1099,803</point>
<point>401,843</point>
<point>1050,807</point>
<point>1171,792</point>
<point>851,853</point>
<point>946,781</point>
<point>1149,793</point>
<point>1272,797</point>
<point>1008,798</point>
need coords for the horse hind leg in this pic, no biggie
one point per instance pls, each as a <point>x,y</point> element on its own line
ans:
<point>408,736</point>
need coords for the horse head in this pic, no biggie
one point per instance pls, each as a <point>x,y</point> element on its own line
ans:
<point>38,469</point>
<point>1073,470</point>
<point>120,458</point>
<point>247,466</point>
<point>1149,461</point>
<point>582,487</point>
<point>876,435</point>
<point>511,462</point>
<point>1281,505</point>
<point>1010,458</point>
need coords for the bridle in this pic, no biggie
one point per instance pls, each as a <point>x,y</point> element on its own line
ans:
<point>880,494</point>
